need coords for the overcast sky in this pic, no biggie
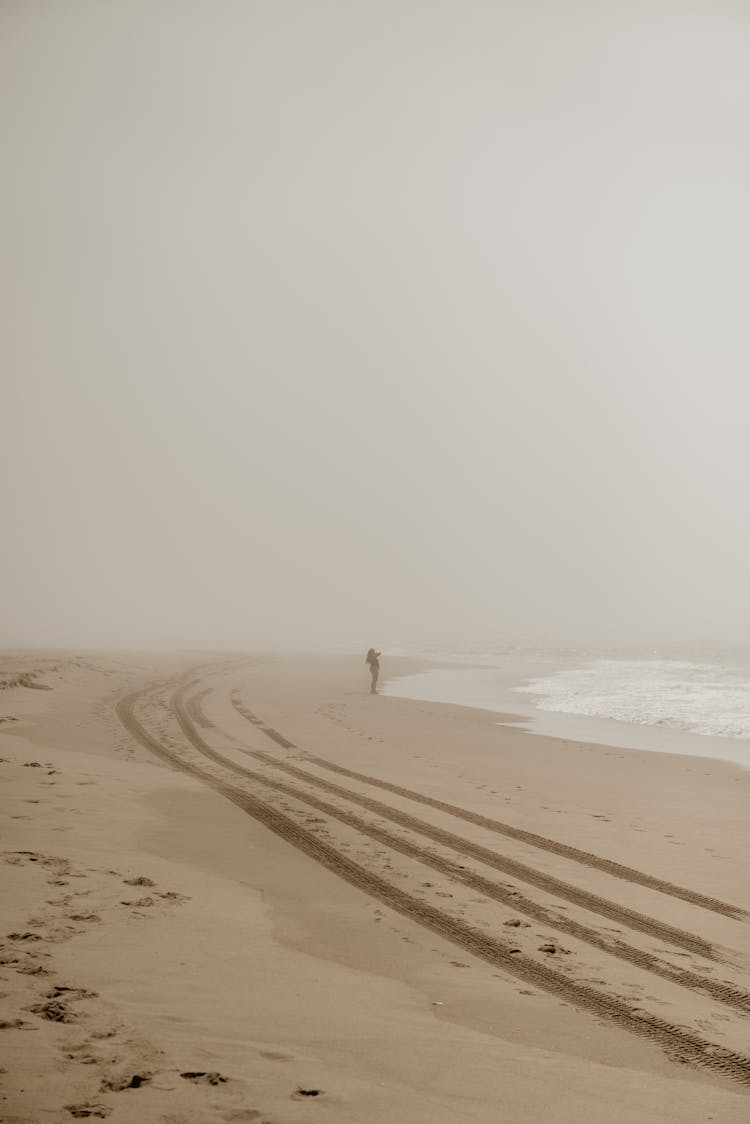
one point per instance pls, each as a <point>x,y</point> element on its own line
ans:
<point>374,322</point>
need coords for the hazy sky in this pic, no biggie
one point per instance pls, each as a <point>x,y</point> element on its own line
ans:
<point>374,321</point>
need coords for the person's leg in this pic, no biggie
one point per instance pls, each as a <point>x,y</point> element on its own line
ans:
<point>374,683</point>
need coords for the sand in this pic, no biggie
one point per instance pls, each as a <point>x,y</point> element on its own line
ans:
<point>243,889</point>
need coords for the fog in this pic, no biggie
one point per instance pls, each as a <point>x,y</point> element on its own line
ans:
<point>374,323</point>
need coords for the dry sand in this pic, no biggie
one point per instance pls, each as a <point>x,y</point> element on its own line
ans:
<point>195,933</point>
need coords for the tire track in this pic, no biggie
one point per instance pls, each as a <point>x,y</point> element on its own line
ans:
<point>269,731</point>
<point>565,850</point>
<point>195,710</point>
<point>722,991</point>
<point>511,867</point>
<point>718,990</point>
<point>679,1043</point>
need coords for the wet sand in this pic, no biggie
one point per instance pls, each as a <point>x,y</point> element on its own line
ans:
<point>244,889</point>
<point>495,689</point>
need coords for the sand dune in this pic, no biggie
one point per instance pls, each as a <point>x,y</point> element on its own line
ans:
<point>244,889</point>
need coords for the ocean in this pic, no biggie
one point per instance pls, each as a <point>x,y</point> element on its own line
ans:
<point>676,705</point>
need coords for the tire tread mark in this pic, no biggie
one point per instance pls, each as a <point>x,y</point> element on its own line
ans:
<point>547,882</point>
<point>722,991</point>
<point>512,867</point>
<point>609,866</point>
<point>677,1041</point>
<point>267,730</point>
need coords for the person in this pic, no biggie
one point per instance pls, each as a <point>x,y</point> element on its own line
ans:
<point>372,659</point>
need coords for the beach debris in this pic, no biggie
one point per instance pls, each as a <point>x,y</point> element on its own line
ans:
<point>199,1077</point>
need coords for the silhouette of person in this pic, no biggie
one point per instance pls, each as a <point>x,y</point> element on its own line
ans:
<point>372,659</point>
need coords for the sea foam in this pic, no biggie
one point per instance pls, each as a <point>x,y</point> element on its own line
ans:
<point>702,698</point>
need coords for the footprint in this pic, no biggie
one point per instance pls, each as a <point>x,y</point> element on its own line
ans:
<point>32,969</point>
<point>71,993</point>
<point>118,1084</point>
<point>54,1011</point>
<point>82,1058</point>
<point>199,1077</point>
<point>80,1110</point>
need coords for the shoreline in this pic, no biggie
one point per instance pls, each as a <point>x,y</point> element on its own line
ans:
<point>462,686</point>
<point>249,959</point>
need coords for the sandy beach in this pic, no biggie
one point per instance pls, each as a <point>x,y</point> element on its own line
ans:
<point>243,889</point>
